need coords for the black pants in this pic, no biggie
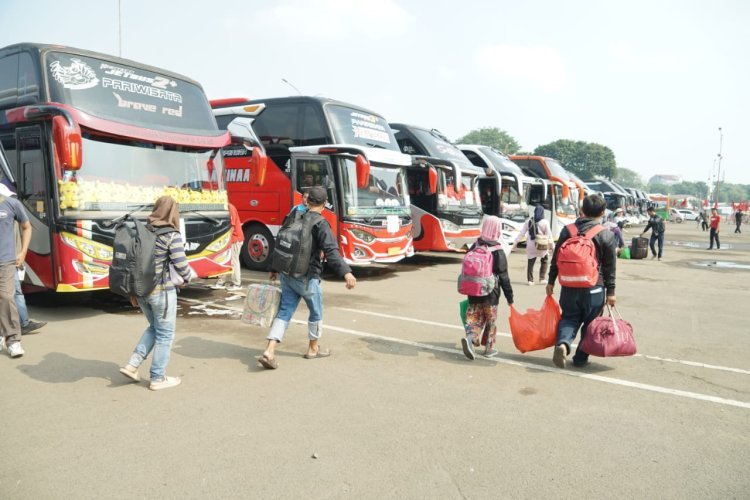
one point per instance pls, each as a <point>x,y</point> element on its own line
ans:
<point>542,268</point>
<point>714,236</point>
<point>704,225</point>
<point>739,223</point>
<point>656,238</point>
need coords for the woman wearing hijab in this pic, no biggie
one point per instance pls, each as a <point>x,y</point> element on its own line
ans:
<point>482,311</point>
<point>160,308</point>
<point>538,244</point>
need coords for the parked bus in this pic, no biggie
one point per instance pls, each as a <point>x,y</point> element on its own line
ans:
<point>318,141</point>
<point>444,189</point>
<point>91,137</point>
<point>557,199</point>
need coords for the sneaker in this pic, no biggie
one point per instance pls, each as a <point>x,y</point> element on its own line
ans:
<point>131,372</point>
<point>234,288</point>
<point>659,259</point>
<point>653,257</point>
<point>490,353</point>
<point>561,352</point>
<point>468,347</point>
<point>15,350</point>
<point>217,286</point>
<point>165,383</point>
<point>580,363</point>
<point>531,283</point>
<point>32,326</point>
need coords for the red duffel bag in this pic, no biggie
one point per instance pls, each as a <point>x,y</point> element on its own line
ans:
<point>607,336</point>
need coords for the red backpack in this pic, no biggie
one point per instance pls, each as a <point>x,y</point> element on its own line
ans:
<point>577,265</point>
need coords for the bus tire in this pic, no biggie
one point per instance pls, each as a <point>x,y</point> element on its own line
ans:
<point>257,247</point>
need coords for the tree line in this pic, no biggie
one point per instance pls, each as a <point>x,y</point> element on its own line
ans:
<point>589,160</point>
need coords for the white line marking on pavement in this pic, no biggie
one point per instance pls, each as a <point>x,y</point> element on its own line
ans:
<point>456,327</point>
<point>523,364</point>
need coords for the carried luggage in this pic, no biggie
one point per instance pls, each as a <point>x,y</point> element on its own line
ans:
<point>476,278</point>
<point>535,329</point>
<point>607,336</point>
<point>577,264</point>
<point>639,248</point>
<point>293,248</point>
<point>261,304</point>
<point>625,253</point>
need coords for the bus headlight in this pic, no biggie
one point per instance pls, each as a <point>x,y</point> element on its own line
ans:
<point>449,226</point>
<point>363,235</point>
<point>87,247</point>
<point>220,243</point>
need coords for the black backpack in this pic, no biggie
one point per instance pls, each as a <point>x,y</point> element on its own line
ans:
<point>133,271</point>
<point>293,249</point>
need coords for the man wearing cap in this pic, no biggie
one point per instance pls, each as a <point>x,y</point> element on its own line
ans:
<point>308,288</point>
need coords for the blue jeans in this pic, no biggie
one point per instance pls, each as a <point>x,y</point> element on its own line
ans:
<point>160,332</point>
<point>23,312</point>
<point>292,290</point>
<point>656,238</point>
<point>580,306</point>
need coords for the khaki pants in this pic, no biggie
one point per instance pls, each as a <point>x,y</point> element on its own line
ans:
<point>10,325</point>
<point>236,276</point>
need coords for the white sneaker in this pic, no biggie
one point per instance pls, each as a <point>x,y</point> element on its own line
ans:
<point>15,350</point>
<point>165,383</point>
<point>234,288</point>
<point>217,286</point>
<point>531,283</point>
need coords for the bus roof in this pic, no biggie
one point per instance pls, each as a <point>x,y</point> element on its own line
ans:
<point>223,103</point>
<point>42,48</point>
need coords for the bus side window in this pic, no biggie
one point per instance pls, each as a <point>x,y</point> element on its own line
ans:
<point>28,84</point>
<point>32,178</point>
<point>8,81</point>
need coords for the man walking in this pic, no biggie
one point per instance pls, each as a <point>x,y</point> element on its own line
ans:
<point>308,287</point>
<point>11,211</point>
<point>582,297</point>
<point>715,224</point>
<point>656,225</point>
<point>738,221</point>
<point>238,238</point>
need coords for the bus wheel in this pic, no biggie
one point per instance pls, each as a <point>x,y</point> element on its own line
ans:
<point>257,248</point>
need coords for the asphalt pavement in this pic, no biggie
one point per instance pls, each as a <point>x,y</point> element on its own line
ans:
<point>397,411</point>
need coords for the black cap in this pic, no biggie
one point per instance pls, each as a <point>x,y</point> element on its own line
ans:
<point>316,195</point>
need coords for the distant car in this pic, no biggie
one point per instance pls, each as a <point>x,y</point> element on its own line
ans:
<point>688,214</point>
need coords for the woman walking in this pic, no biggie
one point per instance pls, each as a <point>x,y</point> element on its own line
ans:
<point>160,307</point>
<point>481,314</point>
<point>538,244</point>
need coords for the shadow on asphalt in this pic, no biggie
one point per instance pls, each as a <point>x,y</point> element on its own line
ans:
<point>200,348</point>
<point>61,368</point>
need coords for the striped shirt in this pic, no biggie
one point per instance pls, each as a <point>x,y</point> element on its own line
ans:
<point>169,248</point>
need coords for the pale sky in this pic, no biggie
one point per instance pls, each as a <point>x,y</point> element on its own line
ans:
<point>653,80</point>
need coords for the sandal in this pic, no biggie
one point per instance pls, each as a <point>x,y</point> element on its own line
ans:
<point>319,354</point>
<point>268,364</point>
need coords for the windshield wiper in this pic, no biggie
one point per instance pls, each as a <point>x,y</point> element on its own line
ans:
<point>373,145</point>
<point>110,223</point>
<point>215,222</point>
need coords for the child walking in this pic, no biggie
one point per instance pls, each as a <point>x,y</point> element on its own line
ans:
<point>481,314</point>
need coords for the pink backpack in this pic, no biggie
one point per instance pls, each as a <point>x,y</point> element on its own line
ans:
<point>476,278</point>
<point>577,265</point>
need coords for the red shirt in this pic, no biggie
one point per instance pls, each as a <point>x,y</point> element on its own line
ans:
<point>715,221</point>
<point>234,219</point>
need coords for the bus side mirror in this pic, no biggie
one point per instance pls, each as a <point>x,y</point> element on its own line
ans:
<point>363,171</point>
<point>457,178</point>
<point>68,143</point>
<point>432,180</point>
<point>259,166</point>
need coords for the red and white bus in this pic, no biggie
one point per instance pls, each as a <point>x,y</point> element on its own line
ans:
<point>91,137</point>
<point>317,141</point>
<point>445,190</point>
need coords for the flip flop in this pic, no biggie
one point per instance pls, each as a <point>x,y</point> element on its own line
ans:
<point>319,354</point>
<point>268,364</point>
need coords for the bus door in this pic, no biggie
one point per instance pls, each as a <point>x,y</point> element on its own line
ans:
<point>488,195</point>
<point>316,170</point>
<point>34,192</point>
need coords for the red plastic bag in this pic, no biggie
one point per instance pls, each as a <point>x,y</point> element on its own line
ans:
<point>607,336</point>
<point>535,329</point>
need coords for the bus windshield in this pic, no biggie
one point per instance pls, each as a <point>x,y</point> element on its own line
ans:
<point>353,126</point>
<point>466,198</point>
<point>556,170</point>
<point>439,148</point>
<point>564,205</point>
<point>119,178</point>
<point>501,162</point>
<point>385,193</point>
<point>512,204</point>
<point>135,96</point>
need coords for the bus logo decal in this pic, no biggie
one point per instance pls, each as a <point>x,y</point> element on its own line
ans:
<point>77,76</point>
